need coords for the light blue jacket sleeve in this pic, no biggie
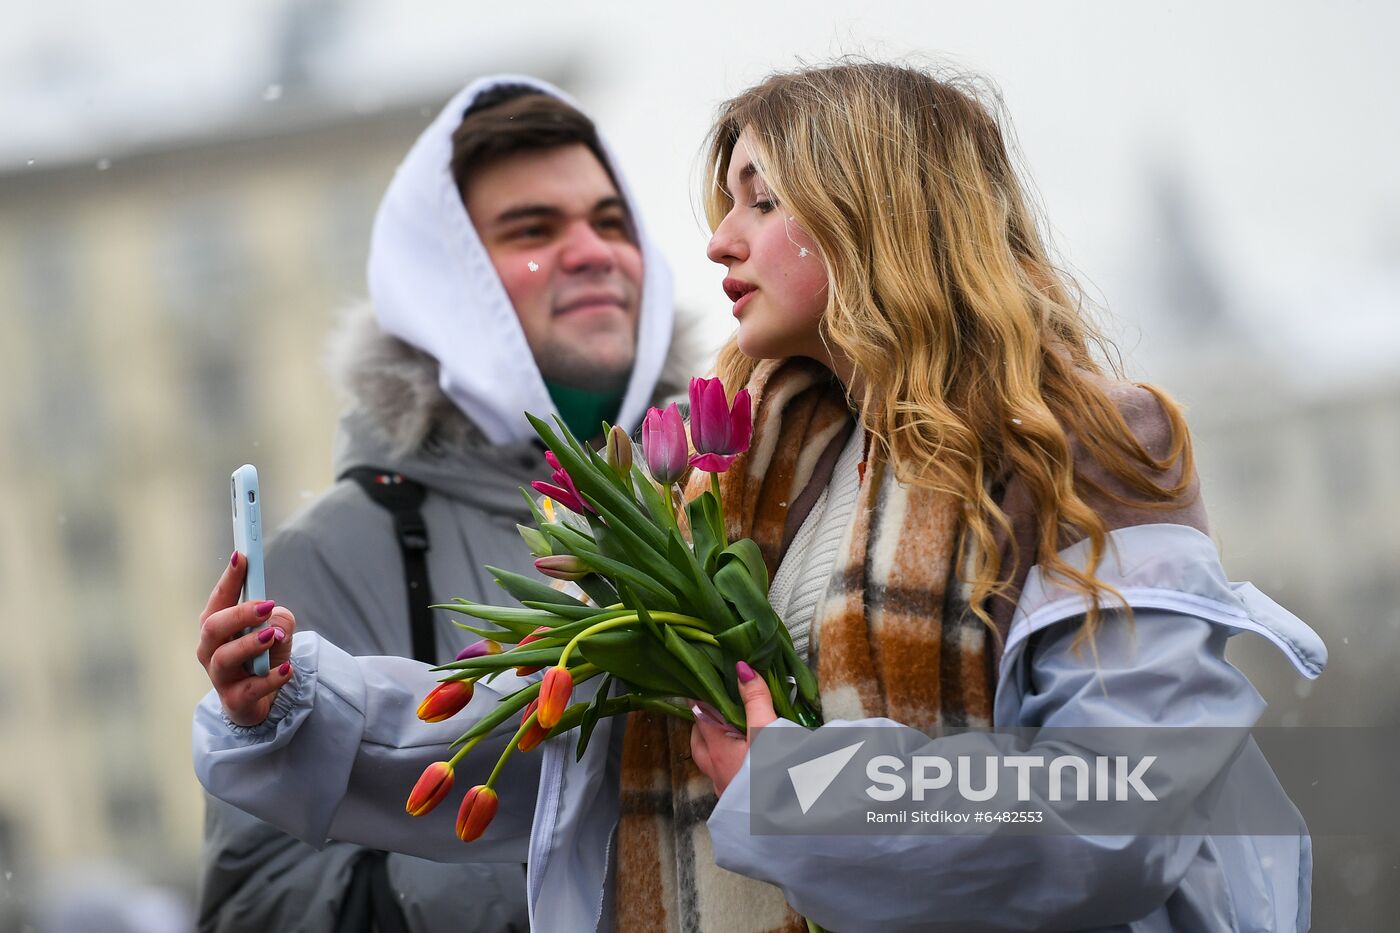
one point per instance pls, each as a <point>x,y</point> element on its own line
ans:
<point>342,748</point>
<point>1166,669</point>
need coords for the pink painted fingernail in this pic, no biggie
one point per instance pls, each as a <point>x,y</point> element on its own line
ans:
<point>286,666</point>
<point>266,635</point>
<point>702,713</point>
<point>746,673</point>
<point>265,607</point>
<point>233,559</point>
<point>281,635</point>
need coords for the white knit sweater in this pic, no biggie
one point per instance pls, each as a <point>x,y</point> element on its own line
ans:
<point>801,581</point>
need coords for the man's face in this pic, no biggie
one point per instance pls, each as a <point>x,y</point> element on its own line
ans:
<point>562,243</point>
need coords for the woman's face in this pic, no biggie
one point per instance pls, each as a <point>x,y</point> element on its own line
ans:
<point>774,276</point>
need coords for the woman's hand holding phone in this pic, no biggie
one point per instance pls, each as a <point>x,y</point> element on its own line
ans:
<point>223,649</point>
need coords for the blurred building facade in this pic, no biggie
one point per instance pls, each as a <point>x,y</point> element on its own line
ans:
<point>163,312</point>
<point>1296,438</point>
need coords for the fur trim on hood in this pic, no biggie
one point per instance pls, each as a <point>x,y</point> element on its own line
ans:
<point>395,386</point>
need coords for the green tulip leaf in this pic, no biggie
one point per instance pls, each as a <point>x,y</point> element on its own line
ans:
<point>702,530</point>
<point>806,681</point>
<point>625,545</point>
<point>747,551</point>
<point>632,577</point>
<point>761,625</point>
<point>599,590</point>
<point>523,588</point>
<point>650,497</point>
<point>520,622</point>
<point>487,633</point>
<point>570,539</point>
<point>708,599</point>
<point>529,656</point>
<point>637,658</point>
<point>563,612</point>
<point>630,600</point>
<point>590,715</point>
<point>699,666</point>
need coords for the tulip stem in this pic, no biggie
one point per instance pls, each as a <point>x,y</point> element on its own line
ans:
<point>669,618</point>
<point>695,634</point>
<point>673,499</point>
<point>510,747</point>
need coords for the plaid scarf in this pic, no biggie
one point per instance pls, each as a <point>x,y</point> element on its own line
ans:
<point>891,638</point>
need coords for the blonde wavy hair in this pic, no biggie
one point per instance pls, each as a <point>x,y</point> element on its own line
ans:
<point>904,182</point>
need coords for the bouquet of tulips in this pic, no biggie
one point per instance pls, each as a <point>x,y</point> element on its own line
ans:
<point>672,605</point>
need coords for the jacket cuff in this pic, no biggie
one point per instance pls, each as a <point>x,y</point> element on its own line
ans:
<point>287,699</point>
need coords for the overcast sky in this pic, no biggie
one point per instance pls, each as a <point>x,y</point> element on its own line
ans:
<point>1281,118</point>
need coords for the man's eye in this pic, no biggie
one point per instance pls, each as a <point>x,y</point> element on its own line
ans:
<point>614,228</point>
<point>528,233</point>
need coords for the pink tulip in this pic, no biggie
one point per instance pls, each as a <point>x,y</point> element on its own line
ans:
<point>562,567</point>
<point>536,635</point>
<point>479,649</point>
<point>719,431</point>
<point>562,489</point>
<point>536,733</point>
<point>664,444</point>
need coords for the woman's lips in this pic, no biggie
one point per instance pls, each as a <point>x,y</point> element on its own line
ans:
<point>738,292</point>
<point>743,300</point>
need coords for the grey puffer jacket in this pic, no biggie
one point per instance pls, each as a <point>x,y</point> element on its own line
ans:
<point>337,564</point>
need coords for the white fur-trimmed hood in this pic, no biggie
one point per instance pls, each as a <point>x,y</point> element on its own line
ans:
<point>434,287</point>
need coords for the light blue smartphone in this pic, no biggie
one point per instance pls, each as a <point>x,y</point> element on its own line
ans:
<point>247,540</point>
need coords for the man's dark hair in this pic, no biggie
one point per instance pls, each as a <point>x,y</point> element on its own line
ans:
<point>514,118</point>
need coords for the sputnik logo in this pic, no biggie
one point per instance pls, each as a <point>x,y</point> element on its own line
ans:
<point>811,778</point>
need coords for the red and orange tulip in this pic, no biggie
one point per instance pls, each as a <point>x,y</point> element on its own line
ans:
<point>525,670</point>
<point>445,701</point>
<point>555,692</point>
<point>477,810</point>
<point>535,734</point>
<point>432,786</point>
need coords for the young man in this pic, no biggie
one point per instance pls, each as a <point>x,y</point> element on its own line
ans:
<point>508,272</point>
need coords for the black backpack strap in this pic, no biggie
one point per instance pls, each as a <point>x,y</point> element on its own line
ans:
<point>369,904</point>
<point>403,498</point>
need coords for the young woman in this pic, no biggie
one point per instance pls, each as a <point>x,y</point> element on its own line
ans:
<point>969,523</point>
